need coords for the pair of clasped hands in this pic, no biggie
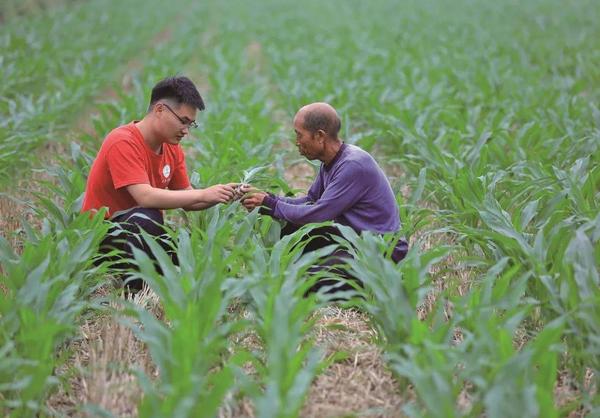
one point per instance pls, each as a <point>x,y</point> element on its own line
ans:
<point>250,197</point>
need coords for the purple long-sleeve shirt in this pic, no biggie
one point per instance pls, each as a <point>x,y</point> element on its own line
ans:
<point>351,190</point>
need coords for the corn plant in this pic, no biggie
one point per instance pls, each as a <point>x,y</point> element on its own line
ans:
<point>284,316</point>
<point>189,347</point>
<point>392,294</point>
<point>45,290</point>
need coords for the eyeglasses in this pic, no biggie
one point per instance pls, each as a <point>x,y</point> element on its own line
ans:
<point>189,124</point>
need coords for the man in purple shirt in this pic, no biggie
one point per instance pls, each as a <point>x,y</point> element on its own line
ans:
<point>350,189</point>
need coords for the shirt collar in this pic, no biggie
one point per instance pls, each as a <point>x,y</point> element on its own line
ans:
<point>337,157</point>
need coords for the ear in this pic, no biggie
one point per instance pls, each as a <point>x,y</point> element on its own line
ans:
<point>321,135</point>
<point>158,108</point>
<point>154,110</point>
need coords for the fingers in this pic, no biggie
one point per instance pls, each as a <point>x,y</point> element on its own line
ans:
<point>227,191</point>
<point>249,196</point>
<point>240,190</point>
<point>221,193</point>
<point>249,189</point>
<point>231,191</point>
<point>249,206</point>
<point>247,200</point>
<point>250,202</point>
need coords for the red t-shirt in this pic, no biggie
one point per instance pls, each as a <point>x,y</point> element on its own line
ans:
<point>125,159</point>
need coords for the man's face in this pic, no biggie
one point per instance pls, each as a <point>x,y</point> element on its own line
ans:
<point>306,141</point>
<point>175,121</point>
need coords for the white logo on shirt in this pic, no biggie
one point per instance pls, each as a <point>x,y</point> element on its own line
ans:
<point>166,171</point>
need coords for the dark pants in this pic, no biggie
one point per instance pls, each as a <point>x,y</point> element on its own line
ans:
<point>323,236</point>
<point>126,235</point>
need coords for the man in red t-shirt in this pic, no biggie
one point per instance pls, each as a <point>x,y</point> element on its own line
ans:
<point>140,170</point>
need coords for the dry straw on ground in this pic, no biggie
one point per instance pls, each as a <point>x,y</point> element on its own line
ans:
<point>360,384</point>
<point>101,369</point>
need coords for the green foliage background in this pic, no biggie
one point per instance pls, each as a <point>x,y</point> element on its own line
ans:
<point>487,111</point>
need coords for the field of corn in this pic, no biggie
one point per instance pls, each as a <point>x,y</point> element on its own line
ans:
<point>486,118</point>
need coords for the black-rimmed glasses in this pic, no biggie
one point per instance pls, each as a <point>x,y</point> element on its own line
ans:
<point>189,124</point>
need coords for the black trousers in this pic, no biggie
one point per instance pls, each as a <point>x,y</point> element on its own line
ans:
<point>323,236</point>
<point>126,235</point>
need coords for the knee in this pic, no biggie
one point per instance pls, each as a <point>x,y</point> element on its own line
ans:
<point>400,251</point>
<point>149,220</point>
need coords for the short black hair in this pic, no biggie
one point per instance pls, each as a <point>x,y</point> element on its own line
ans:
<point>315,120</point>
<point>179,89</point>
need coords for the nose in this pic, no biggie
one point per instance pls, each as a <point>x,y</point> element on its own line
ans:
<point>186,130</point>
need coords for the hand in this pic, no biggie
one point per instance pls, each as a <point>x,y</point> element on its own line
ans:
<point>219,193</point>
<point>240,189</point>
<point>253,199</point>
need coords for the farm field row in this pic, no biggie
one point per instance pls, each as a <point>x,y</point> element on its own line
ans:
<point>486,117</point>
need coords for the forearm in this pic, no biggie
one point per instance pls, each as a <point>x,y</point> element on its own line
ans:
<point>150,197</point>
<point>305,214</point>
<point>295,200</point>
<point>300,214</point>
<point>198,206</point>
<point>330,206</point>
<point>343,191</point>
<point>156,198</point>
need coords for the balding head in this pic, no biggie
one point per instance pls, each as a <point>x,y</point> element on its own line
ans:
<point>319,116</point>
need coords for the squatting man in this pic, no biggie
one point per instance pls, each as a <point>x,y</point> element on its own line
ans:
<point>140,171</point>
<point>349,189</point>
